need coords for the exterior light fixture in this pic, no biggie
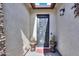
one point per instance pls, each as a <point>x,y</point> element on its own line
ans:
<point>62,11</point>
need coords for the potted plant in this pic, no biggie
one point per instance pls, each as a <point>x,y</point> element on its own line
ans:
<point>53,44</point>
<point>33,44</point>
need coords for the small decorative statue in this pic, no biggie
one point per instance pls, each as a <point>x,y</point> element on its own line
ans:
<point>53,44</point>
<point>33,44</point>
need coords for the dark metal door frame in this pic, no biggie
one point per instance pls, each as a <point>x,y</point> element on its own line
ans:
<point>46,44</point>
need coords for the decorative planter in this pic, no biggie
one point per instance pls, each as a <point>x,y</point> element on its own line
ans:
<point>33,44</point>
<point>53,44</point>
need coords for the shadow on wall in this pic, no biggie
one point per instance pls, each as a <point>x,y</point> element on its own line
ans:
<point>26,42</point>
<point>17,28</point>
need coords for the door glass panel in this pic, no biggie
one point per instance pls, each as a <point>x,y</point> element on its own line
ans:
<point>41,30</point>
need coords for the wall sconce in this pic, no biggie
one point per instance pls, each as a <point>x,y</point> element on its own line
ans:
<point>62,11</point>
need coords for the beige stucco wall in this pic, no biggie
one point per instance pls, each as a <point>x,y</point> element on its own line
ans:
<point>17,28</point>
<point>67,31</point>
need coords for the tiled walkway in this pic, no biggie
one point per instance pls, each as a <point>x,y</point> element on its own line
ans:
<point>33,54</point>
<point>52,54</point>
<point>38,54</point>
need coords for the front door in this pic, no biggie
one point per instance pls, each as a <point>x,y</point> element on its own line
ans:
<point>43,30</point>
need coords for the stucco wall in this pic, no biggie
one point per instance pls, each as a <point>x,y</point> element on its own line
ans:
<point>67,27</point>
<point>17,28</point>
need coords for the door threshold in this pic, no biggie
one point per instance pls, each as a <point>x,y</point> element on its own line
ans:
<point>42,50</point>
